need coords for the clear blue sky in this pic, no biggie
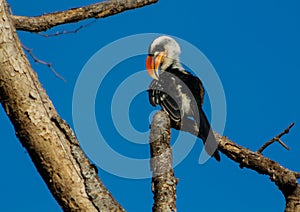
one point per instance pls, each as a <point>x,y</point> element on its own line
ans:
<point>254,48</point>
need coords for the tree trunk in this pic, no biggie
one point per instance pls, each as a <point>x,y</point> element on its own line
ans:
<point>49,141</point>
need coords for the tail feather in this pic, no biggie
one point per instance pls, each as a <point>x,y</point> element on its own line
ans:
<point>207,136</point>
<point>204,132</point>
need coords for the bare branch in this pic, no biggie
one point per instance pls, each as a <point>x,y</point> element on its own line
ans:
<point>49,141</point>
<point>95,189</point>
<point>277,138</point>
<point>163,180</point>
<point>64,32</point>
<point>284,178</point>
<point>98,10</point>
<point>36,60</point>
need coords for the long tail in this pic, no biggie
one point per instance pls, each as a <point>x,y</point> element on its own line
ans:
<point>207,136</point>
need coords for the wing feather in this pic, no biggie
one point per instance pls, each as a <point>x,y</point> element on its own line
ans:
<point>158,96</point>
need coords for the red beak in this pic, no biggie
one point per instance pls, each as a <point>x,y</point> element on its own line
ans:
<point>153,65</point>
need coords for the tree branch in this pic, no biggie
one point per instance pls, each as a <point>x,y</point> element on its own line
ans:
<point>98,10</point>
<point>163,180</point>
<point>277,138</point>
<point>49,141</point>
<point>285,179</point>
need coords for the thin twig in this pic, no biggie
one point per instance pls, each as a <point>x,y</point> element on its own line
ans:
<point>277,138</point>
<point>36,60</point>
<point>64,32</point>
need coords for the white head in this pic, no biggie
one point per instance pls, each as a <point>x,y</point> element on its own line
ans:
<point>163,52</point>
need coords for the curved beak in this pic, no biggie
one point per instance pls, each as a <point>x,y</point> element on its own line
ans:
<point>153,64</point>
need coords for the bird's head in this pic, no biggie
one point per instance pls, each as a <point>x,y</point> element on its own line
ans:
<point>163,52</point>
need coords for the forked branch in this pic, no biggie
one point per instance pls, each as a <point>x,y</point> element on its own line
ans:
<point>50,142</point>
<point>277,138</point>
<point>285,179</point>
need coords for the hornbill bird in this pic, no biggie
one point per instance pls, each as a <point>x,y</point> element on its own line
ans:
<point>178,92</point>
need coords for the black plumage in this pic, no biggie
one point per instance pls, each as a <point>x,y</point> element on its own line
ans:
<point>178,92</point>
<point>181,95</point>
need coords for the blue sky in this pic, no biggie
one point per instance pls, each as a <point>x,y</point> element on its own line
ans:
<point>254,48</point>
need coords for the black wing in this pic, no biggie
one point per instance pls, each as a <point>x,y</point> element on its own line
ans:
<point>160,94</point>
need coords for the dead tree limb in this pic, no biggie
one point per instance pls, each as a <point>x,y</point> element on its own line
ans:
<point>163,180</point>
<point>277,138</point>
<point>50,142</point>
<point>285,179</point>
<point>98,10</point>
